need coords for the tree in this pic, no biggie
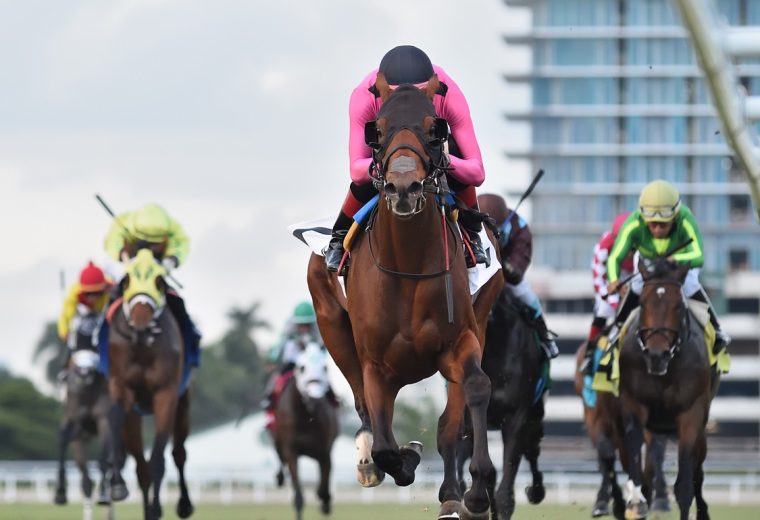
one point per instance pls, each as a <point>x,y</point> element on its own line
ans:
<point>49,346</point>
<point>28,420</point>
<point>231,378</point>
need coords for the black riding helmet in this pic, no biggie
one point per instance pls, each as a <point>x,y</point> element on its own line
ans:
<point>406,64</point>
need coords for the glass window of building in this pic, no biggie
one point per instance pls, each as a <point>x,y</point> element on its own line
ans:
<point>741,208</point>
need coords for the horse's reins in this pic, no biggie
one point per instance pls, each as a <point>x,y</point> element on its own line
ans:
<point>644,333</point>
<point>434,182</point>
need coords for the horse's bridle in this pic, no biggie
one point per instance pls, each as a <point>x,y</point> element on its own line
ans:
<point>644,333</point>
<point>141,337</point>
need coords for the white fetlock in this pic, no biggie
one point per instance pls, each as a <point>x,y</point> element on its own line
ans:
<point>633,493</point>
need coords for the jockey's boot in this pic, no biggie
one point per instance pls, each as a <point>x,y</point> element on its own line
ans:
<point>722,340</point>
<point>472,226</point>
<point>334,251</point>
<point>547,337</point>
<point>587,364</point>
<point>630,302</point>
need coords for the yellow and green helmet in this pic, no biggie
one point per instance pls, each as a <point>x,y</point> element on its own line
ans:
<point>659,202</point>
<point>151,223</point>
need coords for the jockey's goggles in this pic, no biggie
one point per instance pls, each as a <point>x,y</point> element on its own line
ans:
<point>667,212</point>
<point>420,86</point>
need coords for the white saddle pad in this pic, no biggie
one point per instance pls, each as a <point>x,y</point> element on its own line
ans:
<point>316,235</point>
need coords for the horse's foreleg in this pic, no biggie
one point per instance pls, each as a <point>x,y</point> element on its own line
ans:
<point>323,492</point>
<point>380,397</point>
<point>477,393</point>
<point>450,429</point>
<point>605,451</point>
<point>116,418</point>
<point>699,477</point>
<point>532,433</point>
<point>295,481</point>
<point>691,441</point>
<point>181,431</point>
<point>164,417</point>
<point>655,474</point>
<point>510,436</point>
<point>104,496</point>
<point>134,444</point>
<point>64,437</point>
<point>81,459</point>
<point>463,451</point>
<point>633,419</point>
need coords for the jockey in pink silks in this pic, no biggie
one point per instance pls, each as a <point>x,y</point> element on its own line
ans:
<point>407,64</point>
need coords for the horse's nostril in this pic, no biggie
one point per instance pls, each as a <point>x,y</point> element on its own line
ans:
<point>415,188</point>
<point>390,189</point>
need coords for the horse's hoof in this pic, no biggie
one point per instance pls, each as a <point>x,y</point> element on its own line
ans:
<point>636,511</point>
<point>415,446</point>
<point>369,475</point>
<point>618,509</point>
<point>535,494</point>
<point>449,510</point>
<point>60,497</point>
<point>119,492</point>
<point>87,487</point>
<point>473,514</point>
<point>601,508</point>
<point>184,507</point>
<point>104,496</point>
<point>660,505</point>
<point>279,479</point>
<point>326,508</point>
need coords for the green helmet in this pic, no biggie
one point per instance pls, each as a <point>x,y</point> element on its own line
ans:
<point>304,313</point>
<point>659,202</point>
<point>151,223</point>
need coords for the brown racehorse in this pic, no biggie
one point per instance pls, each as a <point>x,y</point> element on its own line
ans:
<point>400,324</point>
<point>306,423</point>
<point>85,413</point>
<point>666,385</point>
<point>146,367</point>
<point>604,426</point>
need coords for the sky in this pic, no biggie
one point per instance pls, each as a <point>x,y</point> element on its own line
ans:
<point>232,114</point>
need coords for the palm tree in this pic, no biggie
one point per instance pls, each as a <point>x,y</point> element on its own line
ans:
<point>50,347</point>
<point>239,343</point>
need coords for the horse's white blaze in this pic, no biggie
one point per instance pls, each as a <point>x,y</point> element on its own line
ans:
<point>633,493</point>
<point>364,448</point>
<point>311,371</point>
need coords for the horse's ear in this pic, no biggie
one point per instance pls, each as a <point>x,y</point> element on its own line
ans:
<point>381,84</point>
<point>432,86</point>
<point>643,265</point>
<point>161,284</point>
<point>124,283</point>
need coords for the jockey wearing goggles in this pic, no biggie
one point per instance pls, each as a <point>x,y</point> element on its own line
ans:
<point>151,227</point>
<point>661,222</point>
<point>407,64</point>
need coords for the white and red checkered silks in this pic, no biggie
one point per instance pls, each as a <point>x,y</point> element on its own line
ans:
<point>605,309</point>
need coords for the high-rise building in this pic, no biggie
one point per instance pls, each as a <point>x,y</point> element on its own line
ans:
<point>618,100</point>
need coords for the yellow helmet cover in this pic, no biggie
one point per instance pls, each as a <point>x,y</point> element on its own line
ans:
<point>143,272</point>
<point>151,223</point>
<point>659,201</point>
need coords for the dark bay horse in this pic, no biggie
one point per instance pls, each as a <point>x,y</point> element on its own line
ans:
<point>408,312</point>
<point>85,413</point>
<point>146,371</point>
<point>512,359</point>
<point>666,385</point>
<point>307,423</point>
<point>604,426</point>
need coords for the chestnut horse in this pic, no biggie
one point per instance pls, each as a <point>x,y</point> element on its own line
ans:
<point>307,423</point>
<point>145,376</point>
<point>666,384</point>
<point>604,427</point>
<point>408,312</point>
<point>85,413</point>
<point>513,360</point>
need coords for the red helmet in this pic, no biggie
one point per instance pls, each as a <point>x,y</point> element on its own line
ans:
<point>618,223</point>
<point>92,279</point>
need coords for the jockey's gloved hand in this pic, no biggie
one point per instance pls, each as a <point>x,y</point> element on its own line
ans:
<point>170,263</point>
